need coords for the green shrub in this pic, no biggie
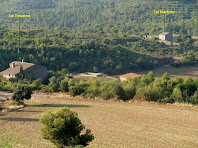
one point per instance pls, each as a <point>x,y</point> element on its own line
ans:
<point>7,86</point>
<point>37,84</point>
<point>177,95</point>
<point>46,88</point>
<point>150,93</point>
<point>119,92</point>
<point>64,86</point>
<point>54,84</point>
<point>64,128</point>
<point>167,100</point>
<point>106,95</point>
<point>76,90</point>
<point>22,92</point>
<point>130,92</point>
<point>194,98</point>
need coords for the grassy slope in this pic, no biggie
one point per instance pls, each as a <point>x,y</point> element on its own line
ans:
<point>181,72</point>
<point>114,124</point>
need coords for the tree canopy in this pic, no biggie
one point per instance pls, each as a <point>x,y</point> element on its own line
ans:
<point>64,128</point>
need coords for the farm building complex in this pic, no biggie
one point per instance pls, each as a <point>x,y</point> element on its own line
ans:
<point>31,71</point>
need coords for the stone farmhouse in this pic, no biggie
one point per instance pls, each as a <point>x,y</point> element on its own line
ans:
<point>129,76</point>
<point>31,71</point>
<point>166,36</point>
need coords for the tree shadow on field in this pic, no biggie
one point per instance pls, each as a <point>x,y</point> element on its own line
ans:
<point>19,119</point>
<point>60,105</point>
<point>28,111</point>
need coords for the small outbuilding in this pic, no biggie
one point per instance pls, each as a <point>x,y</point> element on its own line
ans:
<point>91,74</point>
<point>129,76</point>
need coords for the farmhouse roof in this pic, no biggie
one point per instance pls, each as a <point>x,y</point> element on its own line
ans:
<point>131,75</point>
<point>164,33</point>
<point>16,68</point>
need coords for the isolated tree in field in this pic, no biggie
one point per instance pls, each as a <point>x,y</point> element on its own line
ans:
<point>21,73</point>
<point>22,92</point>
<point>63,128</point>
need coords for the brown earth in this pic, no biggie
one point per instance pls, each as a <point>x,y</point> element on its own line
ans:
<point>5,94</point>
<point>114,124</point>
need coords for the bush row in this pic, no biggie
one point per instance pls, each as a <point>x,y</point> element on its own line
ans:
<point>147,88</point>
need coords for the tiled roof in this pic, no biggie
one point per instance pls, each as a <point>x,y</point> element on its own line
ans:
<point>16,69</point>
<point>131,75</point>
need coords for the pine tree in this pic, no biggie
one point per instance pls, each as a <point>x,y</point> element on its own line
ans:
<point>21,73</point>
<point>64,128</point>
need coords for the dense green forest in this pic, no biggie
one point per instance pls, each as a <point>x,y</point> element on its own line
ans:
<point>123,16</point>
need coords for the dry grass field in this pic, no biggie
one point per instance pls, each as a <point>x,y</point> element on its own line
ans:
<point>182,72</point>
<point>114,124</point>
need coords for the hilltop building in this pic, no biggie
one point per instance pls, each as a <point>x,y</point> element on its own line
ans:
<point>129,76</point>
<point>31,71</point>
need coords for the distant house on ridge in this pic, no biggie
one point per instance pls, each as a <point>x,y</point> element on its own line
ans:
<point>31,71</point>
<point>166,36</point>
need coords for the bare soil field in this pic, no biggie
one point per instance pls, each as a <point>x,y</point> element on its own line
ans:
<point>182,72</point>
<point>5,94</point>
<point>114,124</point>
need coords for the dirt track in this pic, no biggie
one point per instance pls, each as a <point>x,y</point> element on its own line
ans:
<point>114,124</point>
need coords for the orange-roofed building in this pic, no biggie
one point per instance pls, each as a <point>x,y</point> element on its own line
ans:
<point>130,76</point>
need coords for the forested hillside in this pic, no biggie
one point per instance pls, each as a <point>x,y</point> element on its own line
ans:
<point>91,51</point>
<point>74,51</point>
<point>97,35</point>
<point>125,16</point>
